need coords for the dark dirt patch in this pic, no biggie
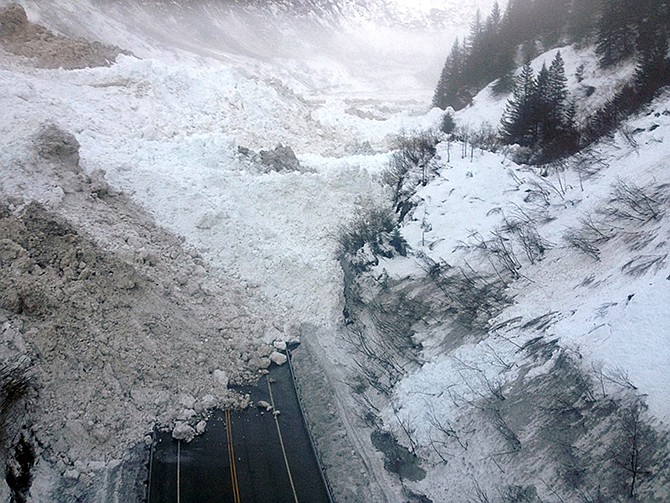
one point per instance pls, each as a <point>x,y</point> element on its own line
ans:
<point>45,49</point>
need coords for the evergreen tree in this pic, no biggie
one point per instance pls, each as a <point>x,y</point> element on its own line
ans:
<point>518,120</point>
<point>518,21</point>
<point>551,18</point>
<point>561,136</point>
<point>558,82</point>
<point>495,18</point>
<point>447,92</point>
<point>541,119</point>
<point>557,95</point>
<point>653,67</point>
<point>539,114</point>
<point>582,19</point>
<point>616,32</point>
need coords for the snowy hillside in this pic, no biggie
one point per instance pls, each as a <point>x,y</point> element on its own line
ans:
<point>533,333</point>
<point>173,206</point>
<point>386,44</point>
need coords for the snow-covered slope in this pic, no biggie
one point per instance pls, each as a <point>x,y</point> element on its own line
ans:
<point>385,43</point>
<point>538,334</point>
<point>520,379</point>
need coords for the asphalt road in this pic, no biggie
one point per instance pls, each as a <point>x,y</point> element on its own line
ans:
<point>240,457</point>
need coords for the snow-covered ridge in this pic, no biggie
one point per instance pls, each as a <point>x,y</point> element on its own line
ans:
<point>385,43</point>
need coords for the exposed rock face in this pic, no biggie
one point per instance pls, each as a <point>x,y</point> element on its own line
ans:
<point>47,50</point>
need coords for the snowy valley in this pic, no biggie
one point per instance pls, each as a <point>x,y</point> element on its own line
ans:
<point>182,191</point>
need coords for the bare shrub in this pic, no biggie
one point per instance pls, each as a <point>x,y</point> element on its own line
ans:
<point>628,134</point>
<point>520,494</point>
<point>394,317</point>
<point>485,138</point>
<point>538,193</point>
<point>635,449</point>
<point>502,248</point>
<point>588,163</point>
<point>405,424</point>
<point>474,298</point>
<point>375,364</point>
<point>633,203</point>
<point>409,166</point>
<point>503,428</point>
<point>497,250</point>
<point>444,427</point>
<point>589,236</point>
<point>384,346</point>
<point>480,494</point>
<point>377,229</point>
<point>522,226</point>
<point>642,264</point>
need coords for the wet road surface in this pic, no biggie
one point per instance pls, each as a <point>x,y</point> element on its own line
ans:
<point>240,457</point>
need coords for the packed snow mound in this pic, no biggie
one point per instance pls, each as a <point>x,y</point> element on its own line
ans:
<point>159,129</point>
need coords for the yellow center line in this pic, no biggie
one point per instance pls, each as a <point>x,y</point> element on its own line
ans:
<point>281,442</point>
<point>231,457</point>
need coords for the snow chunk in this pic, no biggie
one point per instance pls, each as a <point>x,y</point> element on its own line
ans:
<point>278,358</point>
<point>221,377</point>
<point>54,143</point>
<point>183,431</point>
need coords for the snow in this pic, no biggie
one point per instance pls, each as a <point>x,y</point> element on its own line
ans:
<point>619,327</point>
<point>613,321</point>
<point>621,324</point>
<point>159,129</point>
<point>595,88</point>
<point>166,130</point>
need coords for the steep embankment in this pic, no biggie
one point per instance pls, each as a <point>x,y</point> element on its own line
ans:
<point>520,351</point>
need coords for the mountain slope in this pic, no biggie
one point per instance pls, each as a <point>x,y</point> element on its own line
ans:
<point>384,43</point>
<point>527,324</point>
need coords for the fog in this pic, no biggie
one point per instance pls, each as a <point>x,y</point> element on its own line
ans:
<point>368,49</point>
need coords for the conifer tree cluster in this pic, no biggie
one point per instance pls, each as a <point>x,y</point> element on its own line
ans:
<point>540,114</point>
<point>473,63</point>
<point>620,29</point>
<point>489,53</point>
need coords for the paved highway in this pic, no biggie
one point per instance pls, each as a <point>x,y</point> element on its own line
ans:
<point>250,456</point>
